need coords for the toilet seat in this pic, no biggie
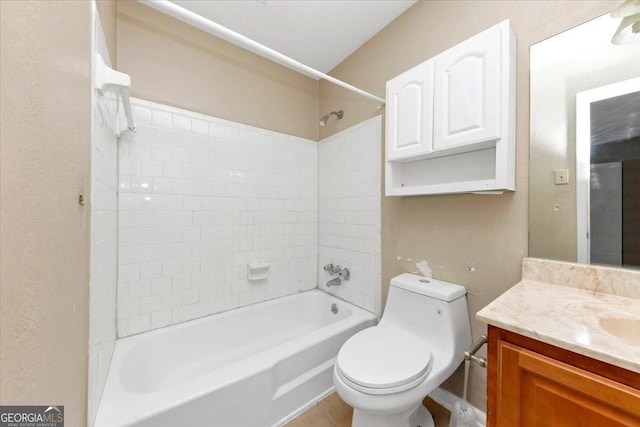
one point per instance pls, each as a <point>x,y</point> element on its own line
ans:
<point>383,360</point>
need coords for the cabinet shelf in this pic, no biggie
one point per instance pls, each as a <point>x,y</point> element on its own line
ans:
<point>472,171</point>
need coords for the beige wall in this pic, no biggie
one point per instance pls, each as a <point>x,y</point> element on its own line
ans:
<point>45,136</point>
<point>173,63</point>
<point>475,240</point>
<point>108,11</point>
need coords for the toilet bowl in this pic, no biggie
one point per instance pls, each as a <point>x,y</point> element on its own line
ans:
<point>384,372</point>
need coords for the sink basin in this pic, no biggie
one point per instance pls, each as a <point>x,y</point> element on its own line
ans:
<point>624,329</point>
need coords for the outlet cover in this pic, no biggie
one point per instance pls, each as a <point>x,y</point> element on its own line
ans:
<point>562,176</point>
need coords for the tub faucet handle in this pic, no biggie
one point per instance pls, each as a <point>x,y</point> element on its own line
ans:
<point>344,273</point>
<point>332,269</point>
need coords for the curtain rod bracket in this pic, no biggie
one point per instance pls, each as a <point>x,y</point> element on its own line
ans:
<point>108,79</point>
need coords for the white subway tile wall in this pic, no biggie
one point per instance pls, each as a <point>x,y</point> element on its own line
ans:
<point>349,212</point>
<point>199,199</point>
<point>104,237</point>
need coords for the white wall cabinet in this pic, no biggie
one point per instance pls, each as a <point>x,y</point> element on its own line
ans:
<point>450,124</point>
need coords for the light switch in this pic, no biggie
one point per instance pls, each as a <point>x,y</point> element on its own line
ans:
<point>562,176</point>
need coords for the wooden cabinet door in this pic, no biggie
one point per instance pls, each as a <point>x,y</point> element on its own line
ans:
<point>467,87</point>
<point>538,391</point>
<point>410,113</point>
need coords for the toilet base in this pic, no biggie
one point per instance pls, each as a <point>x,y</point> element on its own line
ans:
<point>420,417</point>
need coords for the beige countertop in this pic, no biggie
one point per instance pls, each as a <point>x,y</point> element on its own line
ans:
<point>567,316</point>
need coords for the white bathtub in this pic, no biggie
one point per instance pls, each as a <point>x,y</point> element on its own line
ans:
<point>251,367</point>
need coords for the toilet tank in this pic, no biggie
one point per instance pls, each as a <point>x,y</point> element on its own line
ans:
<point>432,309</point>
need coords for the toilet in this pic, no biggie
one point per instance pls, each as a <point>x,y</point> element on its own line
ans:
<point>384,372</point>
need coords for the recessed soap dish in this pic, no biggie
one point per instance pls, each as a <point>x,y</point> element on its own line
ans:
<point>258,271</point>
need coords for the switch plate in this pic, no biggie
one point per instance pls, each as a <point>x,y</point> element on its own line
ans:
<point>562,176</point>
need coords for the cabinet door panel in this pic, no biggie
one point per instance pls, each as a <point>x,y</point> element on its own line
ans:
<point>546,403</point>
<point>467,92</point>
<point>537,391</point>
<point>508,385</point>
<point>410,113</point>
<point>583,398</point>
<point>465,98</point>
<point>409,101</point>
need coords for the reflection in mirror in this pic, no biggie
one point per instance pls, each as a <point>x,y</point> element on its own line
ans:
<point>607,153</point>
<point>573,217</point>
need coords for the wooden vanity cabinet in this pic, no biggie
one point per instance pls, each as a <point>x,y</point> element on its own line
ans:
<point>533,384</point>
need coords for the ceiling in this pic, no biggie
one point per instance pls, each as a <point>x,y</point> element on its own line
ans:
<point>317,33</point>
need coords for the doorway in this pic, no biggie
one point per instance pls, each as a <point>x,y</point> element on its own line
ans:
<point>608,174</point>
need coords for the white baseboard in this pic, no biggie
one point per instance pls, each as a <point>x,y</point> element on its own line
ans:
<point>447,399</point>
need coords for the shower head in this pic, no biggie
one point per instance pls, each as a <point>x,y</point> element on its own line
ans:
<point>323,120</point>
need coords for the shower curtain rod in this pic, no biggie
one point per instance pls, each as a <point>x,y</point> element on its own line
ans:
<point>225,33</point>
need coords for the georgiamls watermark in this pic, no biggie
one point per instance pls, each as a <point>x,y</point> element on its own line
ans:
<point>32,416</point>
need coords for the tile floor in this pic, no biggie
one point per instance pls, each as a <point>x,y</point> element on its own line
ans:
<point>333,412</point>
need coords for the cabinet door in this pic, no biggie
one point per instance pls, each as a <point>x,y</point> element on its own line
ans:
<point>467,91</point>
<point>410,113</point>
<point>537,391</point>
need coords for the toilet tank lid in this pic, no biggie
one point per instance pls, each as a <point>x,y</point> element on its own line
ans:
<point>427,286</point>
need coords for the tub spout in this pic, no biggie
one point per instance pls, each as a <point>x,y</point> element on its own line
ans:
<point>334,282</point>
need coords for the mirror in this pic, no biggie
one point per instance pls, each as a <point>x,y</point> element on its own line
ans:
<point>584,171</point>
